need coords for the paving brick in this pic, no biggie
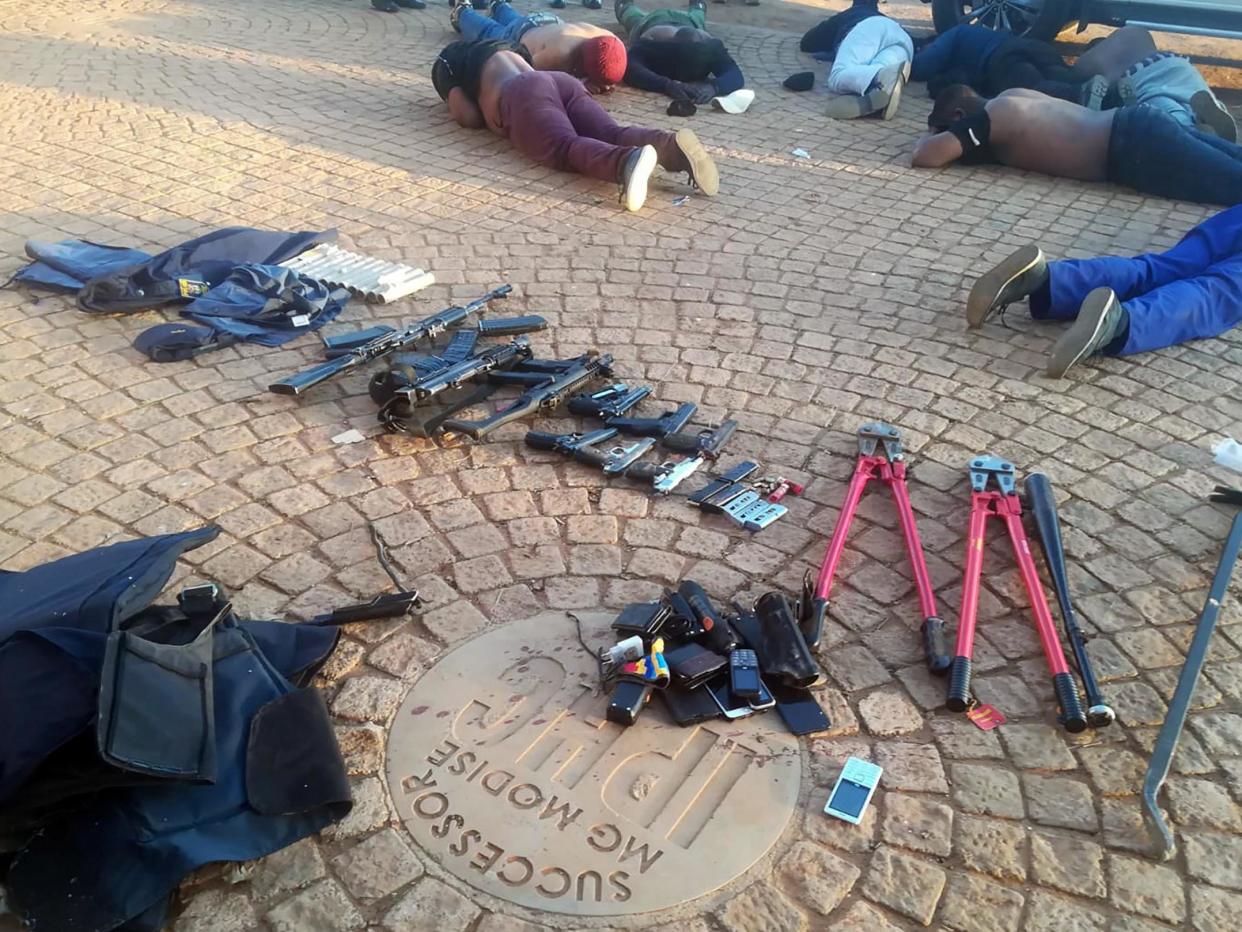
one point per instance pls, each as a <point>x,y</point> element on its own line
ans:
<point>432,906</point>
<point>992,846</point>
<point>455,621</point>
<point>1060,801</point>
<point>914,767</point>
<point>321,908</point>
<point>762,907</point>
<point>1214,910</point>
<point>1070,864</point>
<point>918,823</point>
<point>1146,889</point>
<point>1051,913</point>
<point>888,713</point>
<point>592,529</point>
<point>817,878</point>
<point>904,884</point>
<point>974,904</point>
<point>378,866</point>
<point>288,869</point>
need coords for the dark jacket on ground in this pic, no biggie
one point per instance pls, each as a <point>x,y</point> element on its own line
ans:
<point>964,49</point>
<point>656,65</point>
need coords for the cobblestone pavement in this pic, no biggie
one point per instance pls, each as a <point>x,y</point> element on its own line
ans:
<point>810,296</point>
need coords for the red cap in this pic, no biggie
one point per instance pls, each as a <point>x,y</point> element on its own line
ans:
<point>604,60</point>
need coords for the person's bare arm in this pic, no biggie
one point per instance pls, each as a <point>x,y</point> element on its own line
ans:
<point>464,110</point>
<point>935,150</point>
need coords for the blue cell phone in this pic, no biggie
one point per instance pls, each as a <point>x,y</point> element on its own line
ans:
<point>853,790</point>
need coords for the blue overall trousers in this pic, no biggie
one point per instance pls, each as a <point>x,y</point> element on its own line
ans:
<point>1191,292</point>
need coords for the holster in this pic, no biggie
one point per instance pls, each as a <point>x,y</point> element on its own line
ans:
<point>783,651</point>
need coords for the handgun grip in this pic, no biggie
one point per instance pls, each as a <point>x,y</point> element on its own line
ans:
<point>708,442</point>
<point>542,440</point>
<point>591,456</point>
<point>648,472</point>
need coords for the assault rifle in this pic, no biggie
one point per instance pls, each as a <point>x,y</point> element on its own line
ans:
<point>548,393</point>
<point>426,329</point>
<point>454,376</point>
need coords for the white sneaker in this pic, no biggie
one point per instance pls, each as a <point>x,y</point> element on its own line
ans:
<point>635,173</point>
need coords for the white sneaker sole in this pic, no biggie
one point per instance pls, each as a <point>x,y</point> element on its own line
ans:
<point>894,98</point>
<point>635,194</point>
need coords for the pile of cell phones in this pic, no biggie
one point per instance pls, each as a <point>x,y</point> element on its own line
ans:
<point>705,664</point>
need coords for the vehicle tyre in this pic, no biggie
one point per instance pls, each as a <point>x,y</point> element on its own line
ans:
<point>1037,19</point>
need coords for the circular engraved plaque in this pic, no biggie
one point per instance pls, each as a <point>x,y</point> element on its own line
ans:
<point>506,772</point>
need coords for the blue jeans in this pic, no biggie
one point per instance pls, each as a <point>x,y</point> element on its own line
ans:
<point>505,23</point>
<point>1164,81</point>
<point>1150,152</point>
<point>1193,291</point>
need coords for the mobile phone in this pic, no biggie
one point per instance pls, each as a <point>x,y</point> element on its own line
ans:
<point>690,706</point>
<point>764,700</point>
<point>802,714</point>
<point>744,673</point>
<point>730,705</point>
<point>853,790</point>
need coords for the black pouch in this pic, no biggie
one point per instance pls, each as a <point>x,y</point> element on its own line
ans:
<point>293,763</point>
<point>156,707</point>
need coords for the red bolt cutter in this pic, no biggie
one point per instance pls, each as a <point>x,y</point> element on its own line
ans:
<point>889,466</point>
<point>1002,502</point>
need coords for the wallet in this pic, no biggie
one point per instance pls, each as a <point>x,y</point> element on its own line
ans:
<point>641,618</point>
<point>693,664</point>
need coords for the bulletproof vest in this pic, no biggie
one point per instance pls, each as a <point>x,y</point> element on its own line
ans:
<point>190,719</point>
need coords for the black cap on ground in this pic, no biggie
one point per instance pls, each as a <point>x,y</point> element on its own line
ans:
<point>802,81</point>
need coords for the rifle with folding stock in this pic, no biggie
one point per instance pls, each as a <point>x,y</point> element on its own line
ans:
<point>555,386</point>
<point>426,329</point>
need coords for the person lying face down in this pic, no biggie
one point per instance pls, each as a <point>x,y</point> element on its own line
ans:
<point>1136,72</point>
<point>1139,147</point>
<point>1119,306</point>
<point>585,51</point>
<point>549,117</point>
<point>870,56</point>
<point>991,61</point>
<point>672,53</point>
